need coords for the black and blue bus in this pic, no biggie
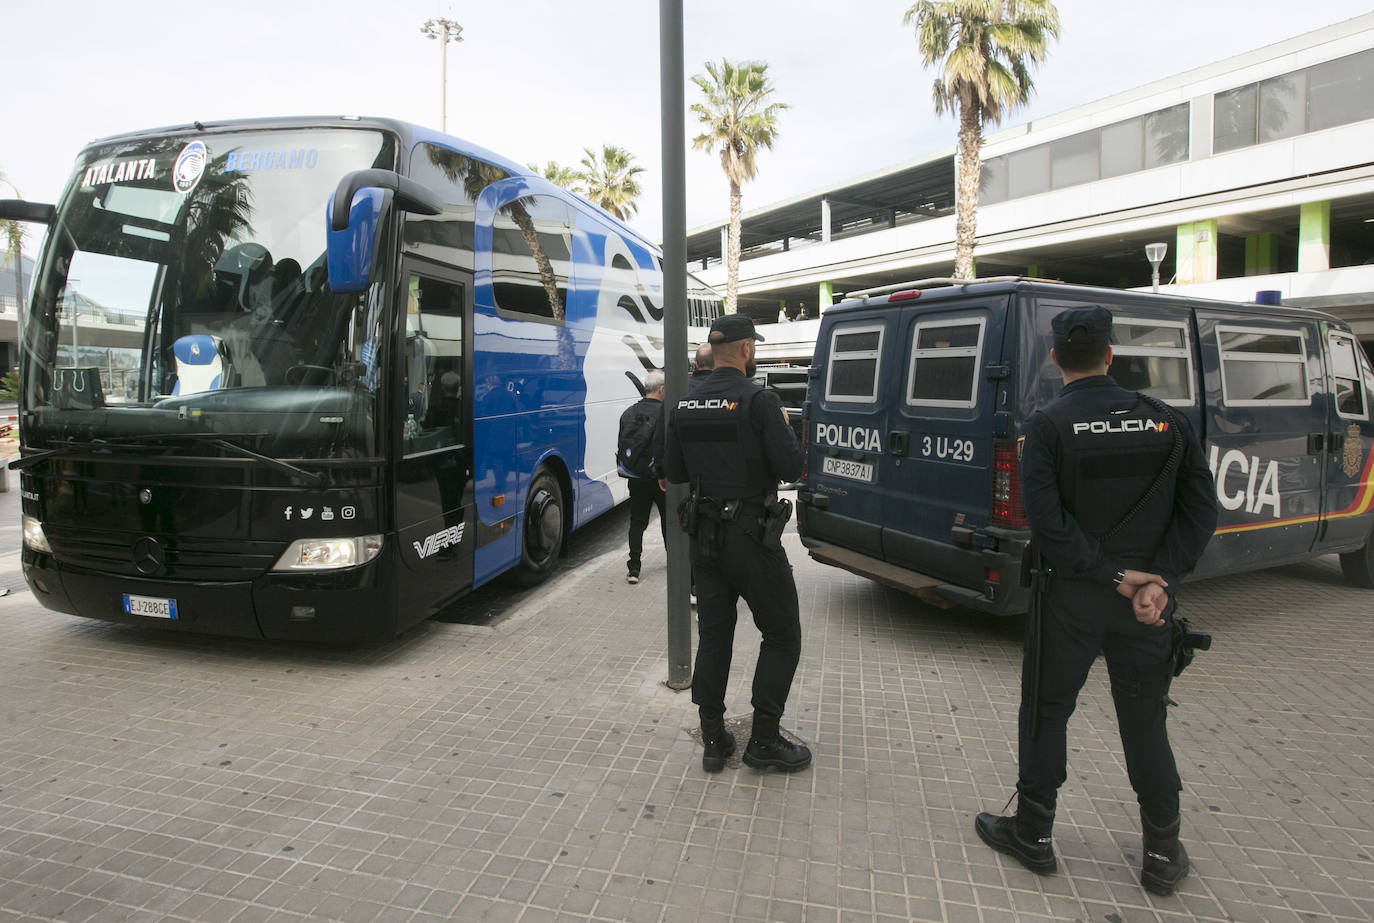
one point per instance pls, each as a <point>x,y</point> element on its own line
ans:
<point>319,378</point>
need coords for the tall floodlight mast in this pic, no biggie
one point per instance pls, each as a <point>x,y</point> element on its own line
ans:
<point>445,30</point>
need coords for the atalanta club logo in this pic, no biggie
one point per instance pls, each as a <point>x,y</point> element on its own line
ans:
<point>189,167</point>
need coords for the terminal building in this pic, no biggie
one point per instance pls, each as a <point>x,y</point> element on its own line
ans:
<point>1257,172</point>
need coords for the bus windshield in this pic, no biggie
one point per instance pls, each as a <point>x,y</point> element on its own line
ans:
<point>183,291</point>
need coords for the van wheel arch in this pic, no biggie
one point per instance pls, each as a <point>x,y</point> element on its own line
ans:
<point>1358,566</point>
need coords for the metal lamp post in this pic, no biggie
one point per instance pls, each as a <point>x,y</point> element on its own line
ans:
<point>445,30</point>
<point>1155,254</point>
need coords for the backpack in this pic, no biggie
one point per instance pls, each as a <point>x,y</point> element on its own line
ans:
<point>634,448</point>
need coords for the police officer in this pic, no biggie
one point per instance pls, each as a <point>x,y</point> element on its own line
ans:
<point>1121,505</point>
<point>729,439</point>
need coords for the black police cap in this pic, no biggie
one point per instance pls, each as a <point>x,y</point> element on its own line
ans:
<point>731,327</point>
<point>1088,324</point>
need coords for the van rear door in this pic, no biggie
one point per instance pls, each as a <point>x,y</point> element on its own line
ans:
<point>1266,436</point>
<point>938,438</point>
<point>1348,494</point>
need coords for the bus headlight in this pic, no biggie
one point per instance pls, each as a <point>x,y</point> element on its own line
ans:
<point>34,537</point>
<point>329,553</point>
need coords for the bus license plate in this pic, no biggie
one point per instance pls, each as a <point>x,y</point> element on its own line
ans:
<point>153,608</point>
<point>844,468</point>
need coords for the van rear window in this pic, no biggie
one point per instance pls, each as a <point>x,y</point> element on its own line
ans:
<point>1260,366</point>
<point>1153,356</point>
<point>944,363</point>
<point>855,354</point>
<point>1345,371</point>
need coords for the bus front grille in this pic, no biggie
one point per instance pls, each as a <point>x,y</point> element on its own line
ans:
<point>139,555</point>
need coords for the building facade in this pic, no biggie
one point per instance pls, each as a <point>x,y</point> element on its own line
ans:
<point>1256,172</point>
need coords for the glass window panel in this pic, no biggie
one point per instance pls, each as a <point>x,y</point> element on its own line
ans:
<point>851,342</point>
<point>1259,341</point>
<point>1121,148</point>
<point>1164,377</point>
<point>1073,160</point>
<point>952,337</point>
<point>1147,335</point>
<point>531,249</point>
<point>1340,91</point>
<point>1283,106</point>
<point>1028,172</point>
<point>1166,136</point>
<point>992,184</point>
<point>434,364</point>
<point>1234,119</point>
<point>943,379</point>
<point>1264,381</point>
<point>853,377</point>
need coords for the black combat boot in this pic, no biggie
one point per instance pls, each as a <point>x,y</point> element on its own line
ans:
<point>768,749</point>
<point>1165,861</point>
<point>1025,836</point>
<point>718,743</point>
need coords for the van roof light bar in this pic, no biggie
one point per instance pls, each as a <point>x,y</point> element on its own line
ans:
<point>935,282</point>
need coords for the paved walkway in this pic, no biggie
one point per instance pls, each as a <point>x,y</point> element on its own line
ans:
<point>537,769</point>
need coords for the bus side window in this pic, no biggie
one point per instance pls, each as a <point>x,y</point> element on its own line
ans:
<point>433,365</point>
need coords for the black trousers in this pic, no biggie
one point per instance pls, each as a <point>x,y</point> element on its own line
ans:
<point>644,496</point>
<point>1082,620</point>
<point>744,568</point>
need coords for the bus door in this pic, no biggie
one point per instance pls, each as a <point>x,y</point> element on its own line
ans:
<point>1349,490</point>
<point>433,411</point>
<point>1266,434</point>
<point>939,438</point>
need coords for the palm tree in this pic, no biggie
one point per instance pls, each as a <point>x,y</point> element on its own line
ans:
<point>557,174</point>
<point>738,120</point>
<point>985,49</point>
<point>608,179</point>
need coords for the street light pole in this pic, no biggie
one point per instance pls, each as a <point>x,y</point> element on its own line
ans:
<point>445,30</point>
<point>1155,254</point>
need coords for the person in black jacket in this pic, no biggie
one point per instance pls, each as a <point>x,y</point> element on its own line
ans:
<point>1121,504</point>
<point>645,416</point>
<point>729,439</point>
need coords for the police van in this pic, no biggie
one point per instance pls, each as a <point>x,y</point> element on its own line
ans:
<point>917,395</point>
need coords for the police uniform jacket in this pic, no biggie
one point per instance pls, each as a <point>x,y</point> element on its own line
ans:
<point>732,434</point>
<point>1087,459</point>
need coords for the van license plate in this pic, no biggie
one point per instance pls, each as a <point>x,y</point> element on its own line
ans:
<point>844,468</point>
<point>154,608</point>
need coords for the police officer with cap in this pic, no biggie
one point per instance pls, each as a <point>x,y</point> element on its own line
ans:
<point>729,439</point>
<point>1121,504</point>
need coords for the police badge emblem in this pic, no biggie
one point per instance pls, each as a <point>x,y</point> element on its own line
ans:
<point>1354,451</point>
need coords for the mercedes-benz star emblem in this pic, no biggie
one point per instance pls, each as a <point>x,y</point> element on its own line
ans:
<point>145,496</point>
<point>149,556</point>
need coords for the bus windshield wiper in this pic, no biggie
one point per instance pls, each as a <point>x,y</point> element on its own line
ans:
<point>221,440</point>
<point>69,446</point>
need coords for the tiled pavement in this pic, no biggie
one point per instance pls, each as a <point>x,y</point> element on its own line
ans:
<point>537,769</point>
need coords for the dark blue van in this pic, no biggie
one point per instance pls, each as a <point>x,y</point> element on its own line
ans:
<point>916,397</point>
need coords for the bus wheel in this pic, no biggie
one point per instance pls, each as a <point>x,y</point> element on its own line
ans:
<point>543,531</point>
<point>1358,566</point>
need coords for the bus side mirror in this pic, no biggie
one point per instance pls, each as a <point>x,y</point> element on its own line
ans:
<point>20,210</point>
<point>351,251</point>
<point>354,216</point>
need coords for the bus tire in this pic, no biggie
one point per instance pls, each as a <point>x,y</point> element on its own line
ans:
<point>1358,566</point>
<point>541,539</point>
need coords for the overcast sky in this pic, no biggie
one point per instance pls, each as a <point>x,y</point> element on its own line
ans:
<point>539,80</point>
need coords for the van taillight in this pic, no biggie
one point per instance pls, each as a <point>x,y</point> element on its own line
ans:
<point>910,295</point>
<point>1007,509</point>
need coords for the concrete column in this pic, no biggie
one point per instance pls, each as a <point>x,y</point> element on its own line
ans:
<point>825,221</point>
<point>1314,237</point>
<point>724,244</point>
<point>825,296</point>
<point>1261,255</point>
<point>1033,270</point>
<point>1195,257</point>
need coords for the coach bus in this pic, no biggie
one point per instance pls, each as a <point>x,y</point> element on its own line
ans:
<point>319,378</point>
